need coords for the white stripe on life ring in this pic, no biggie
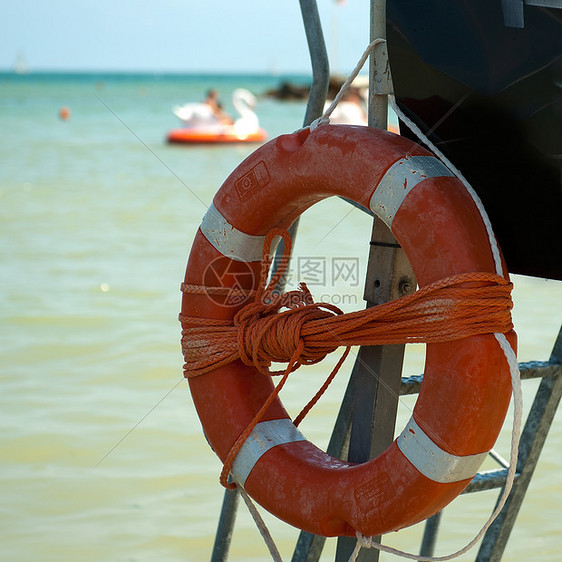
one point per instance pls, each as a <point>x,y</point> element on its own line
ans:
<point>264,436</point>
<point>432,461</point>
<point>400,179</point>
<point>230,241</point>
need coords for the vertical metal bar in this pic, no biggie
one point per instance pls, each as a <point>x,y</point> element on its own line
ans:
<point>319,60</point>
<point>225,526</point>
<point>533,437</point>
<point>379,72</point>
<point>430,535</point>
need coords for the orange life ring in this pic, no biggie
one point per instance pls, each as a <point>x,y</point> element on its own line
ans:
<point>466,388</point>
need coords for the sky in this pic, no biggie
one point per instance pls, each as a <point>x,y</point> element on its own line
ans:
<point>253,36</point>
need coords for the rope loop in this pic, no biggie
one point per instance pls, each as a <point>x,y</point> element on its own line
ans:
<point>325,119</point>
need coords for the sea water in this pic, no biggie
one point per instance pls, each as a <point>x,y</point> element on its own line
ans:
<point>103,456</point>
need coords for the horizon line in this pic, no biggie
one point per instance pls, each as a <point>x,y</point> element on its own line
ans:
<point>200,72</point>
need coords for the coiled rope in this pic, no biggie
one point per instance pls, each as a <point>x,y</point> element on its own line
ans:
<point>278,328</point>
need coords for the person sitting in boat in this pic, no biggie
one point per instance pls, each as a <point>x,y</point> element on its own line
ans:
<point>351,109</point>
<point>212,100</point>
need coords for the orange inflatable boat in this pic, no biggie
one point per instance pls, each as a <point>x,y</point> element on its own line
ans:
<point>195,135</point>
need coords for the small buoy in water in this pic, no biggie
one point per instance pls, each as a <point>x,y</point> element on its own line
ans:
<point>64,112</point>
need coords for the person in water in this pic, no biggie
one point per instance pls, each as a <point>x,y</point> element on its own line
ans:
<point>212,100</point>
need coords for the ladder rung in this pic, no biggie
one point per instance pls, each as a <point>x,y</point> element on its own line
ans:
<point>529,370</point>
<point>488,480</point>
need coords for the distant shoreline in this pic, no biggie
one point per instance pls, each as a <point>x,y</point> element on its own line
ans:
<point>150,74</point>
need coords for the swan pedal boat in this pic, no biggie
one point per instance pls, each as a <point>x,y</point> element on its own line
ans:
<point>201,125</point>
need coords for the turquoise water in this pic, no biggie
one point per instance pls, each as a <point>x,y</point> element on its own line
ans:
<point>103,457</point>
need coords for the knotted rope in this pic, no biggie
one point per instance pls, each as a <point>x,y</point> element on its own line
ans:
<point>291,328</point>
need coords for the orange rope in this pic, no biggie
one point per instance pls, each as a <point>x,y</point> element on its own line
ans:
<point>291,328</point>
